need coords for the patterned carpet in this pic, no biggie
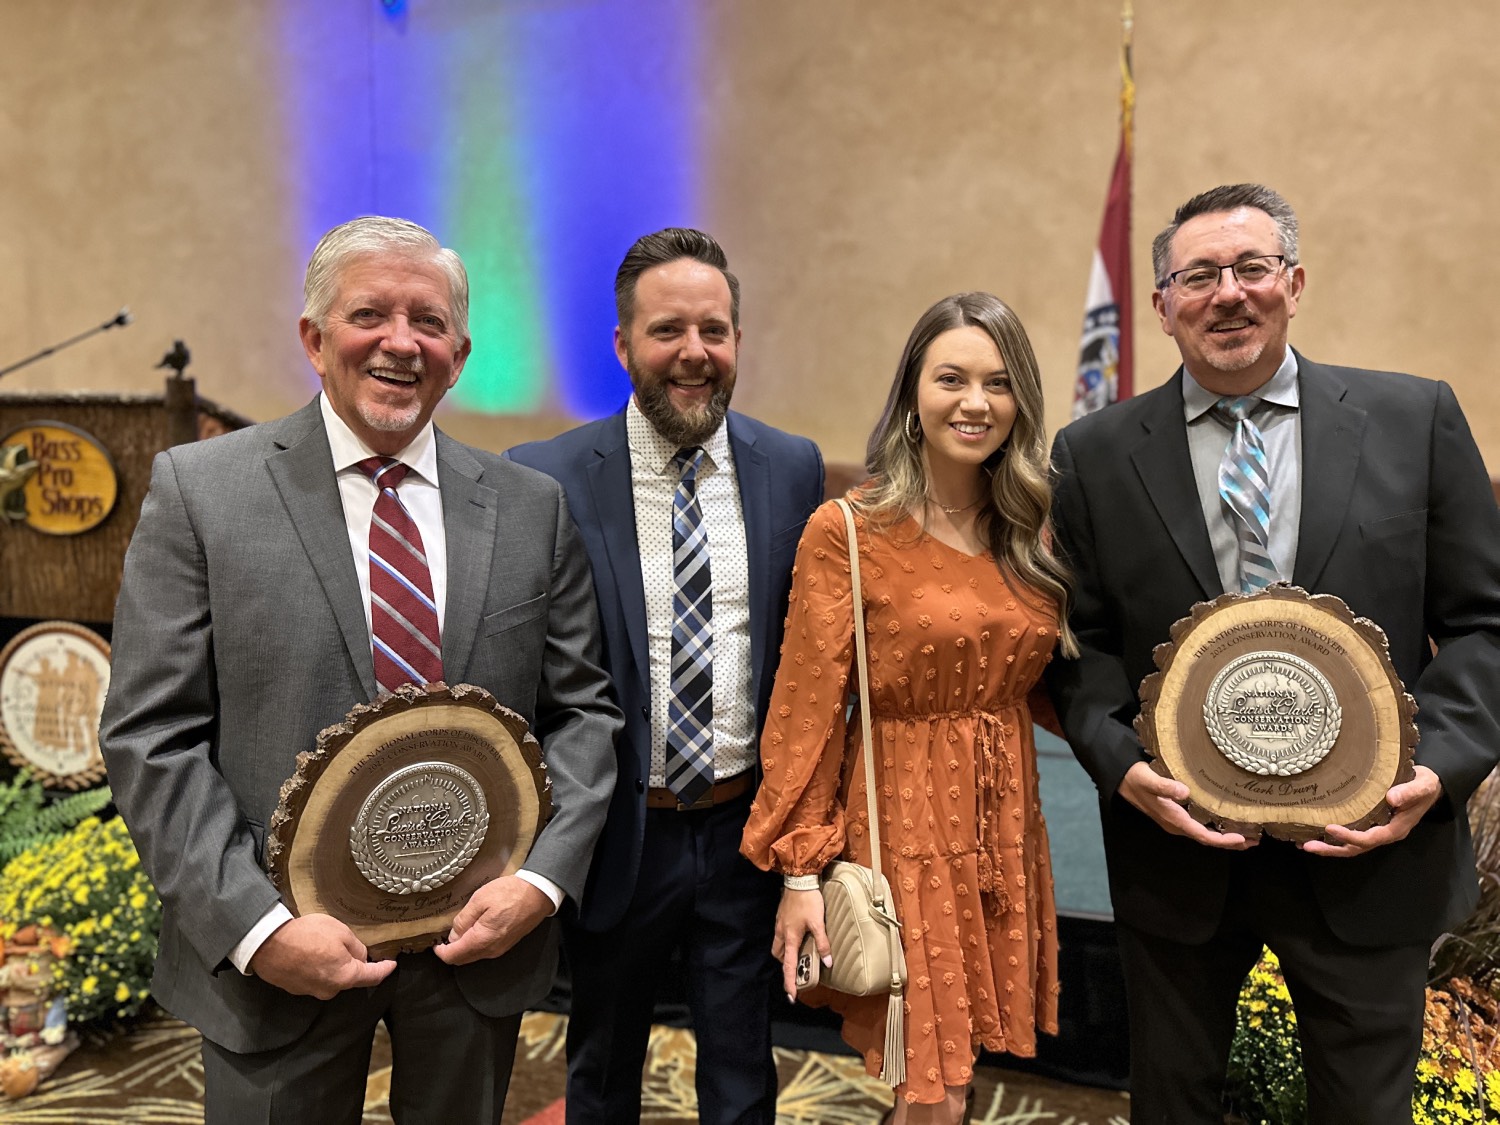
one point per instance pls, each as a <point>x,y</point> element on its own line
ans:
<point>153,1077</point>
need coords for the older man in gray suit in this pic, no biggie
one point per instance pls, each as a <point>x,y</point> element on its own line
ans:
<point>246,623</point>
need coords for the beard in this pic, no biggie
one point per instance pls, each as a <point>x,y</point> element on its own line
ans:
<point>1231,363</point>
<point>387,419</point>
<point>390,419</point>
<point>1240,357</point>
<point>692,426</point>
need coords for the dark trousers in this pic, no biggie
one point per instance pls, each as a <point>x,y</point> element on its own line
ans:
<point>1359,1010</point>
<point>450,1064</point>
<point>695,891</point>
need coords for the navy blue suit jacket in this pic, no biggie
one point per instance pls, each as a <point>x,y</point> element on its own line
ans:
<point>781,482</point>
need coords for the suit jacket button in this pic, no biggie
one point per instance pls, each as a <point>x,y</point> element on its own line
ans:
<point>640,786</point>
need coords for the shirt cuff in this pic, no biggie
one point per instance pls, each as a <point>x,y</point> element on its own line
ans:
<point>545,885</point>
<point>271,921</point>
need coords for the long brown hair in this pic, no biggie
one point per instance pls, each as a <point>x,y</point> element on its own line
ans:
<point>1015,517</point>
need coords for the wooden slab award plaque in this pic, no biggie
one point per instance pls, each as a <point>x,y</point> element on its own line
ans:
<point>406,808</point>
<point>1281,712</point>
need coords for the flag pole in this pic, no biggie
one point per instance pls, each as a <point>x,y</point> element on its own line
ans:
<point>1106,364</point>
<point>1127,77</point>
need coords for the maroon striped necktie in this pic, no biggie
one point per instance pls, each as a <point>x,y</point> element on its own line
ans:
<point>403,614</point>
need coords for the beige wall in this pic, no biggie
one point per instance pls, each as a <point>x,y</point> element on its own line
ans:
<point>863,158</point>
<point>138,142</point>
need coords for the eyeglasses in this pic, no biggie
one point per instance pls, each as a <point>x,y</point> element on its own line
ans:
<point>1252,273</point>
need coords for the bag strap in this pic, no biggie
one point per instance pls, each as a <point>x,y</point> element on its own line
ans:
<point>893,1069</point>
<point>862,663</point>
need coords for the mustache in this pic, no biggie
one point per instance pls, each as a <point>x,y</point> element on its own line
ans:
<point>1240,308</point>
<point>401,365</point>
<point>704,368</point>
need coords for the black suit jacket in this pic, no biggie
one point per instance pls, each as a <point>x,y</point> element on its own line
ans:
<point>781,482</point>
<point>1398,519</point>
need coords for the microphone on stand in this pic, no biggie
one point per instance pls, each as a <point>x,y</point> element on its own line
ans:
<point>119,320</point>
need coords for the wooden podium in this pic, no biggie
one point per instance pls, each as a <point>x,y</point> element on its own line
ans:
<point>75,577</point>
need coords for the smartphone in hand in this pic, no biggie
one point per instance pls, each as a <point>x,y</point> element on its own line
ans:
<point>809,963</point>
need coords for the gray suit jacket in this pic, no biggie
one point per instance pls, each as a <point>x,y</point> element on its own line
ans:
<point>240,633</point>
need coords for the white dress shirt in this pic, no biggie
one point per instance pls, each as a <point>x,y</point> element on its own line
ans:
<point>420,497</point>
<point>653,482</point>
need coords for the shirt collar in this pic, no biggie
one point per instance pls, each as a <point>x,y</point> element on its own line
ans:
<point>654,452</point>
<point>1280,390</point>
<point>420,454</point>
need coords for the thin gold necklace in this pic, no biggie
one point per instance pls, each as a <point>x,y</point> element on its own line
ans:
<point>954,511</point>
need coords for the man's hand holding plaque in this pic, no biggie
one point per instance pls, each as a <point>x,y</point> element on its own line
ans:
<point>1408,803</point>
<point>497,915</point>
<point>1162,798</point>
<point>317,955</point>
<point>1280,712</point>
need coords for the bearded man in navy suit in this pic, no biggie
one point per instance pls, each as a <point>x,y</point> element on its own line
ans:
<point>667,876</point>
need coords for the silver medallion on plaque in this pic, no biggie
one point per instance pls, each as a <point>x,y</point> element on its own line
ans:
<point>419,828</point>
<point>1272,713</point>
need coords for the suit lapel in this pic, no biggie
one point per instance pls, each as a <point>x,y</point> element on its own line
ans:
<point>614,506</point>
<point>301,467</point>
<point>1332,434</point>
<point>753,469</point>
<point>471,513</point>
<point>1166,469</point>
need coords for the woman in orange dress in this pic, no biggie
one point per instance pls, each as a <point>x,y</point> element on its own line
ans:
<point>963,606</point>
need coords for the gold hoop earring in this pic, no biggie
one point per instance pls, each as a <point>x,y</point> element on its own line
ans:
<point>913,427</point>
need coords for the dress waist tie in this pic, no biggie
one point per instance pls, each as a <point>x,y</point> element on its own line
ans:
<point>992,764</point>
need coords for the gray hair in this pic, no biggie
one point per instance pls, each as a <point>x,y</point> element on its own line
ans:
<point>377,234</point>
<point>1229,197</point>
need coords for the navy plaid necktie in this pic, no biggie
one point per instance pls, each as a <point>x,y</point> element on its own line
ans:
<point>403,615</point>
<point>690,707</point>
<point>1245,488</point>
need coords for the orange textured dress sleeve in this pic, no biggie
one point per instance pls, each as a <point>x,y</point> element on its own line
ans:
<point>796,823</point>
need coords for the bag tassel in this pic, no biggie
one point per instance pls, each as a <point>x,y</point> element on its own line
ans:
<point>893,1068</point>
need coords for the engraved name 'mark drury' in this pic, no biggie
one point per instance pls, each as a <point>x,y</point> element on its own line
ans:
<point>1272,714</point>
<point>419,828</point>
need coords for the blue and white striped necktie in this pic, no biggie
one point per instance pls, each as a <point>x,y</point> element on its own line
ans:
<point>1245,488</point>
<point>690,707</point>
